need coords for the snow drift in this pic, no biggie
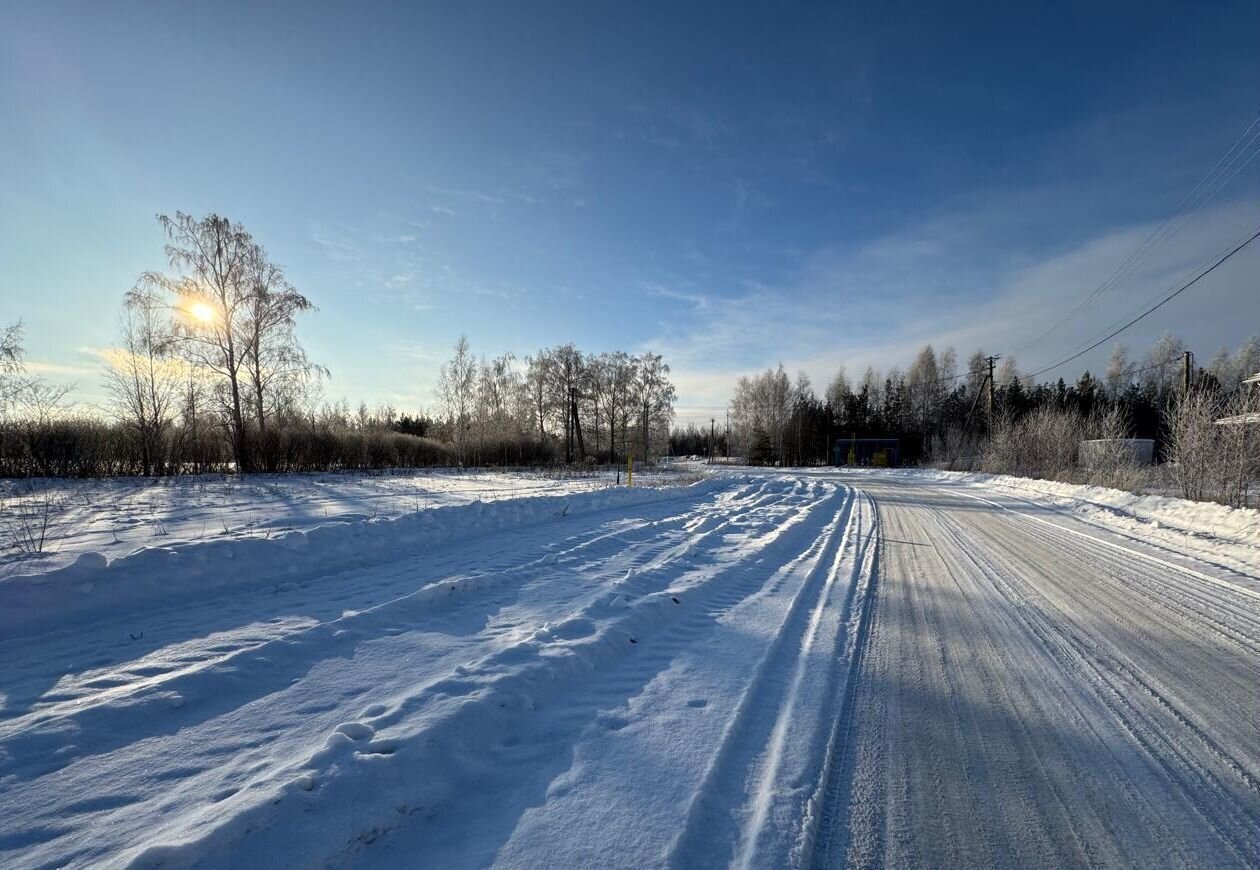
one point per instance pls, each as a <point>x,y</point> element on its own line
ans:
<point>96,587</point>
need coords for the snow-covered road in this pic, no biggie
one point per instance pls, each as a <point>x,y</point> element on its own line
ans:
<point>1036,691</point>
<point>757,671</point>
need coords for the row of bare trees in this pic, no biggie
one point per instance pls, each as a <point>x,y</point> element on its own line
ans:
<point>581,406</point>
<point>208,375</point>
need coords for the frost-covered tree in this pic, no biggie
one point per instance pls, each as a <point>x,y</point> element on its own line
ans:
<point>1119,369</point>
<point>537,386</point>
<point>615,373</point>
<point>977,373</point>
<point>762,405</point>
<point>1161,376</point>
<point>1007,371</point>
<point>456,385</point>
<point>923,381</point>
<point>839,390</point>
<point>655,394</point>
<point>11,364</point>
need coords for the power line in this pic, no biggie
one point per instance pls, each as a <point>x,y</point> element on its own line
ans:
<point>1135,372</point>
<point>1212,183</point>
<point>1200,264</point>
<point>1174,294</point>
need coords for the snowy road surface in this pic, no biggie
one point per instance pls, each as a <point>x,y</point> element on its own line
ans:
<point>762,671</point>
<point>1037,692</point>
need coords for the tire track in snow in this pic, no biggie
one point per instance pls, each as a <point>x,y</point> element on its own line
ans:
<point>103,714</point>
<point>750,807</point>
<point>453,728</point>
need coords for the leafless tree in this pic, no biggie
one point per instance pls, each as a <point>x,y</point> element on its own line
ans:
<point>275,363</point>
<point>839,390</point>
<point>538,387</point>
<point>1119,370</point>
<point>457,383</point>
<point>568,373</point>
<point>761,407</point>
<point>1192,446</point>
<point>11,367</point>
<point>655,395</point>
<point>616,373</point>
<point>1113,462</point>
<point>926,390</point>
<point>498,383</point>
<point>210,292</point>
<point>1238,436</point>
<point>143,379</point>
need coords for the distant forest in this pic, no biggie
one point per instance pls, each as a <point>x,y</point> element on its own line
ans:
<point>777,419</point>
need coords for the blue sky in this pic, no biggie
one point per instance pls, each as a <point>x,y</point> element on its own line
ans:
<point>732,185</point>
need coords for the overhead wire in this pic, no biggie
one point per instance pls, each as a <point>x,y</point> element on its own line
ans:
<point>1163,301</point>
<point>1213,182</point>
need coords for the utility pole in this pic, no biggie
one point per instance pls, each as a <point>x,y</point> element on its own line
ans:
<point>992,360</point>
<point>712,443</point>
<point>1187,359</point>
<point>728,433</point>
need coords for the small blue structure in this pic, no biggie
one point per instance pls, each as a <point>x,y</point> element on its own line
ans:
<point>878,452</point>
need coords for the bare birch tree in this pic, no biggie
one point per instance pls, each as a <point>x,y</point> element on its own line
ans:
<point>275,363</point>
<point>210,289</point>
<point>143,380</point>
<point>457,384</point>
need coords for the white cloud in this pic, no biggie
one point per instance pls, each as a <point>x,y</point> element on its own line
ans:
<point>55,369</point>
<point>947,282</point>
<point>699,300</point>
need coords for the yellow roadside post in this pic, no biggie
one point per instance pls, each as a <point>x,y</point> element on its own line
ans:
<point>630,470</point>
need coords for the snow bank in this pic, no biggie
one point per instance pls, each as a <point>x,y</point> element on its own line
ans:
<point>94,587</point>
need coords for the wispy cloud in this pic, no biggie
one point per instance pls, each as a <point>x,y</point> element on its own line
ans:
<point>942,282</point>
<point>698,300</point>
<point>61,370</point>
<point>413,352</point>
<point>337,243</point>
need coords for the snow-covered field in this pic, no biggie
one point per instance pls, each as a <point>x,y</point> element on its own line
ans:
<point>114,517</point>
<point>756,670</point>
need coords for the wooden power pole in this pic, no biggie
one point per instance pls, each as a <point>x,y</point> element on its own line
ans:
<point>992,360</point>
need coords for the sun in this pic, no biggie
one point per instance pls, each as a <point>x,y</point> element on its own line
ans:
<point>201,312</point>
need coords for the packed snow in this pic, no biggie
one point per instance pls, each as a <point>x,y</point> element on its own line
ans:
<point>750,670</point>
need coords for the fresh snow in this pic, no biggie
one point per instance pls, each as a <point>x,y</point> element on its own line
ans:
<point>116,516</point>
<point>797,668</point>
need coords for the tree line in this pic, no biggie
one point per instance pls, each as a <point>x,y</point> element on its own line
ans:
<point>209,375</point>
<point>941,413</point>
<point>562,403</point>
